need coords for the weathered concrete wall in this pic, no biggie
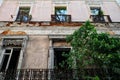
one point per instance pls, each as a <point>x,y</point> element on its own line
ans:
<point>36,55</point>
<point>62,30</point>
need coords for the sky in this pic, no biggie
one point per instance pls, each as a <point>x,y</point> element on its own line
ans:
<point>0,2</point>
<point>118,1</point>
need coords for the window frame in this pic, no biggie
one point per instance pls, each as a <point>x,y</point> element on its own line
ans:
<point>60,13</point>
<point>93,9</point>
<point>20,9</point>
<point>21,54</point>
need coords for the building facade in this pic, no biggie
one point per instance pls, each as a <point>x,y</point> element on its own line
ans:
<point>34,31</point>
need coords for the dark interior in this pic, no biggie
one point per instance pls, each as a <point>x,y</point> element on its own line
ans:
<point>6,57</point>
<point>14,59</point>
<point>59,58</point>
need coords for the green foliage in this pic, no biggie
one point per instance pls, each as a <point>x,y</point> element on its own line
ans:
<point>92,78</point>
<point>90,48</point>
<point>80,55</point>
<point>100,13</point>
<point>96,78</point>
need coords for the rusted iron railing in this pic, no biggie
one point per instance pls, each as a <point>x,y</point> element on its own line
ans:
<point>102,18</point>
<point>61,18</point>
<point>58,74</point>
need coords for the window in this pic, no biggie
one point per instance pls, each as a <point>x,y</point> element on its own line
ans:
<point>60,14</point>
<point>12,55</point>
<point>11,51</point>
<point>59,58</point>
<point>23,14</point>
<point>97,14</point>
<point>10,59</point>
<point>60,10</point>
<point>95,10</point>
<point>8,51</point>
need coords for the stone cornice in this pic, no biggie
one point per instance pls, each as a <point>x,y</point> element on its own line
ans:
<point>56,30</point>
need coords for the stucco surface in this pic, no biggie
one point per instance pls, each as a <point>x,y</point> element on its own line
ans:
<point>7,9</point>
<point>110,8</point>
<point>36,55</point>
<point>78,10</point>
<point>41,11</point>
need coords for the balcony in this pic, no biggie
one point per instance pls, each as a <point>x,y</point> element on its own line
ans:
<point>55,74</point>
<point>61,18</point>
<point>38,24</point>
<point>103,18</point>
<point>12,24</point>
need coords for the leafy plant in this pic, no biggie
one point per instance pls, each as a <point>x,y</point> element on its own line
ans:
<point>100,13</point>
<point>92,49</point>
<point>92,78</point>
<point>96,78</point>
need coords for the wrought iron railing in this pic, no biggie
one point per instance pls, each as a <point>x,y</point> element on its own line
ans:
<point>102,18</point>
<point>61,18</point>
<point>53,74</point>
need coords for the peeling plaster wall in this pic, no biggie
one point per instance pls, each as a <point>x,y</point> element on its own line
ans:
<point>36,55</point>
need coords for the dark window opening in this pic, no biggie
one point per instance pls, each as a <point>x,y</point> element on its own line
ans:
<point>23,14</point>
<point>5,61</point>
<point>60,15</point>
<point>95,10</point>
<point>60,10</point>
<point>8,51</point>
<point>59,58</point>
<point>14,59</point>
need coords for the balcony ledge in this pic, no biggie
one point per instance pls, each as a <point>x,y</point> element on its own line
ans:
<point>52,28</point>
<point>37,24</point>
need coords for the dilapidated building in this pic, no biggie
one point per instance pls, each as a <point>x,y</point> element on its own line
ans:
<point>33,31</point>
